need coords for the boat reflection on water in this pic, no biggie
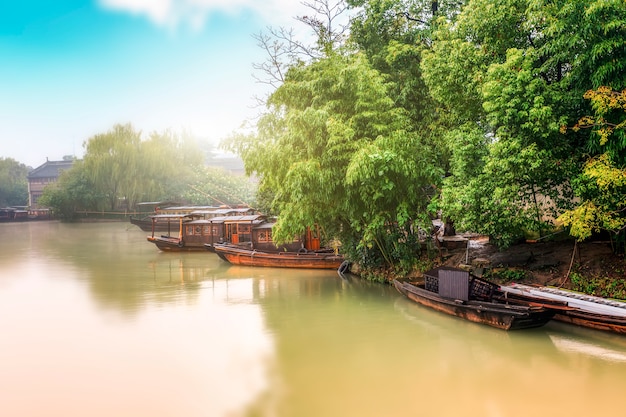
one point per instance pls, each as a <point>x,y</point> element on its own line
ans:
<point>588,343</point>
<point>183,269</point>
<point>572,344</point>
<point>556,342</point>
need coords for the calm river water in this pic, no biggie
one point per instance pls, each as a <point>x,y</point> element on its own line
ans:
<point>95,321</point>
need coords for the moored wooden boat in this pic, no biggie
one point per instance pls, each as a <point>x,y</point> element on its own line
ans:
<point>170,243</point>
<point>195,232</point>
<point>13,214</point>
<point>281,259</point>
<point>454,292</point>
<point>159,219</point>
<point>146,224</point>
<point>24,213</point>
<point>571,307</point>
<point>192,233</point>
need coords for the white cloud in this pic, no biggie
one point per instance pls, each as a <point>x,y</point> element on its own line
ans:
<point>172,13</point>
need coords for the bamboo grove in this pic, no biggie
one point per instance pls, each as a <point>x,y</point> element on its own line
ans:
<point>504,117</point>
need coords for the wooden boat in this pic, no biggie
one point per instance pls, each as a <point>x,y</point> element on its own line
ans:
<point>13,214</point>
<point>39,214</point>
<point>24,213</point>
<point>302,259</point>
<point>454,292</point>
<point>169,242</point>
<point>571,307</point>
<point>194,232</point>
<point>159,220</point>
<point>147,209</point>
<point>146,224</point>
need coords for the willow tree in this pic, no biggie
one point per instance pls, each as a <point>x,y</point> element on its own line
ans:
<point>123,167</point>
<point>217,186</point>
<point>333,149</point>
<point>111,161</point>
<point>169,162</point>
<point>13,183</point>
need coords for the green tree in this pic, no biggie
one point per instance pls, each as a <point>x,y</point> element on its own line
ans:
<point>123,167</point>
<point>111,160</point>
<point>462,48</point>
<point>602,191</point>
<point>525,65</point>
<point>394,35</point>
<point>73,192</point>
<point>333,149</point>
<point>168,162</point>
<point>13,183</point>
<point>219,187</point>
<point>601,187</point>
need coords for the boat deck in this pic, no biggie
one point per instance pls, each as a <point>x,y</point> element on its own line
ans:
<point>584,302</point>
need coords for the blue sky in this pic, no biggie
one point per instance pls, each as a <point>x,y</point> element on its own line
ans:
<point>70,69</point>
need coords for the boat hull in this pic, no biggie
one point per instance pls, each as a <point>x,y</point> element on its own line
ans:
<point>306,260</point>
<point>593,321</point>
<point>169,244</point>
<point>501,316</point>
<point>581,311</point>
<point>146,225</point>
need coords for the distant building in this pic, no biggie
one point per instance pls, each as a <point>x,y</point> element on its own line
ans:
<point>234,165</point>
<point>44,175</point>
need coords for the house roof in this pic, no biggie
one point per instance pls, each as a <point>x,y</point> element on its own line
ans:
<point>50,169</point>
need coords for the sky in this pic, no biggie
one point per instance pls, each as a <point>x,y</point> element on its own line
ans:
<point>71,69</point>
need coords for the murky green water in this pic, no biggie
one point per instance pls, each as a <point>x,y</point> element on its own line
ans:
<point>95,321</point>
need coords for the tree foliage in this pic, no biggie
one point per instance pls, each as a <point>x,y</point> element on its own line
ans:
<point>394,35</point>
<point>216,186</point>
<point>333,149</point>
<point>602,190</point>
<point>476,91</point>
<point>608,124</point>
<point>13,183</point>
<point>601,187</point>
<point>74,191</point>
<point>122,167</point>
<point>518,69</point>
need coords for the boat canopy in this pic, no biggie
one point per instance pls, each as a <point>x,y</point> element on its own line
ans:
<point>252,218</point>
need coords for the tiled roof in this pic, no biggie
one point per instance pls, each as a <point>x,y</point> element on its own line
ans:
<point>50,169</point>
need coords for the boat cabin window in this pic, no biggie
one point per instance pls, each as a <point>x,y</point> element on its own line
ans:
<point>265,236</point>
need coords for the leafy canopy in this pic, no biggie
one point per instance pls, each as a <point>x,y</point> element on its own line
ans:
<point>601,187</point>
<point>333,149</point>
<point>13,183</point>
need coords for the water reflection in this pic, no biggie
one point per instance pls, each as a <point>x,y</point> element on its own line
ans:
<point>512,373</point>
<point>104,331</point>
<point>101,324</point>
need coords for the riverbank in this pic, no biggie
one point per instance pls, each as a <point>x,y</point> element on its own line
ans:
<point>590,267</point>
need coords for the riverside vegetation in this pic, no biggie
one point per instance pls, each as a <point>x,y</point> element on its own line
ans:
<point>505,118</point>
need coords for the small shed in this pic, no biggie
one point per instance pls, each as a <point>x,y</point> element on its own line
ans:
<point>457,284</point>
<point>448,282</point>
